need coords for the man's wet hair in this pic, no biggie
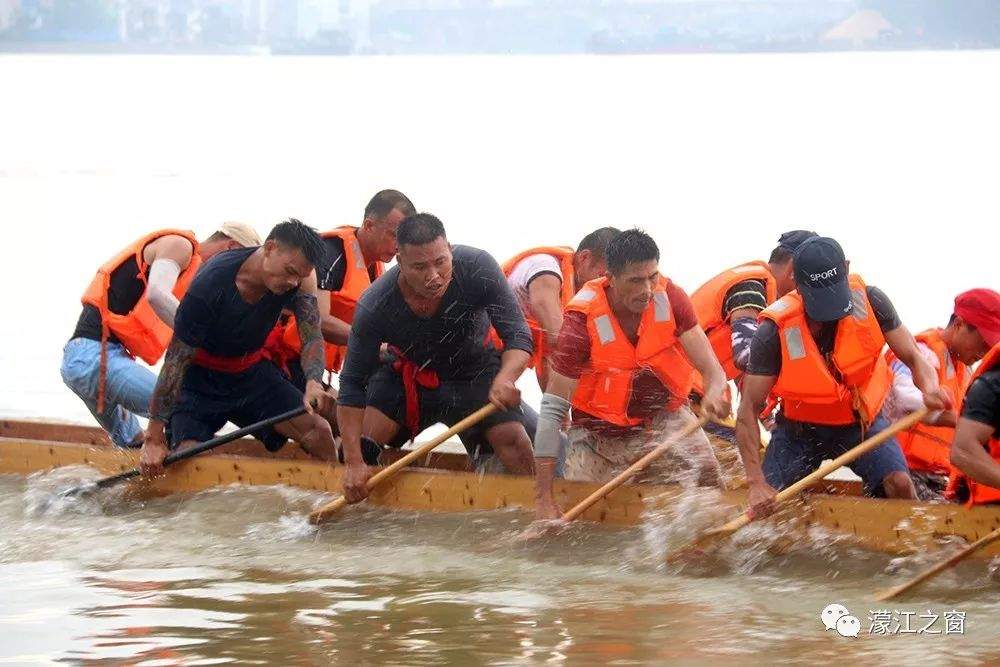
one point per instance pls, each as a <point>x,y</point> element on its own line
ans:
<point>597,241</point>
<point>630,247</point>
<point>780,255</point>
<point>419,229</point>
<point>788,243</point>
<point>296,234</point>
<point>385,202</point>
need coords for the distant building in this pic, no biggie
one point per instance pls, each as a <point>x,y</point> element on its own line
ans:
<point>860,29</point>
<point>9,12</point>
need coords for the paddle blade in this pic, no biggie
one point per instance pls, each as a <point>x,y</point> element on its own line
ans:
<point>699,548</point>
<point>80,491</point>
<point>327,511</point>
<point>890,593</point>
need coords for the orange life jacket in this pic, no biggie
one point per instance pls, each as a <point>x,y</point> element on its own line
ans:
<point>605,388</point>
<point>342,302</point>
<point>927,448</point>
<point>140,330</point>
<point>849,387</point>
<point>564,255</point>
<point>709,300</point>
<point>979,494</point>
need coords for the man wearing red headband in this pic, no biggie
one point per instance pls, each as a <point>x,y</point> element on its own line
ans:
<point>974,323</point>
<point>975,451</point>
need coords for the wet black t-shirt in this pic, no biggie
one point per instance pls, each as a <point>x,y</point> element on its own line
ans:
<point>765,349</point>
<point>982,400</point>
<point>331,273</point>
<point>214,317</point>
<point>451,342</point>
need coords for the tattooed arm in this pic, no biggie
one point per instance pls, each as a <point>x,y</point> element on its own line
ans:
<point>168,388</point>
<point>313,355</point>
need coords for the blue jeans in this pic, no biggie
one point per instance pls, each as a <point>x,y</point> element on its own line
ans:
<point>796,449</point>
<point>128,391</point>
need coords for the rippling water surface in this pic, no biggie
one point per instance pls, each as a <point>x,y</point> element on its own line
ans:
<point>237,574</point>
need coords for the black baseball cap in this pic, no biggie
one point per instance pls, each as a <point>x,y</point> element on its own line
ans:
<point>790,241</point>
<point>821,278</point>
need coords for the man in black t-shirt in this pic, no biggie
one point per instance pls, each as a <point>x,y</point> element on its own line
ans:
<point>819,350</point>
<point>975,451</point>
<point>976,448</point>
<point>433,310</point>
<point>214,369</point>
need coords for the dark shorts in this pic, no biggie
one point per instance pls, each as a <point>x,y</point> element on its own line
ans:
<point>451,402</point>
<point>295,374</point>
<point>797,449</point>
<point>209,399</point>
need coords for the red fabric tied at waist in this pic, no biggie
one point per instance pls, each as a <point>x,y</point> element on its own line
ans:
<point>277,352</point>
<point>413,376</point>
<point>227,364</point>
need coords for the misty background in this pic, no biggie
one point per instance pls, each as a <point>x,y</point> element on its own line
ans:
<point>390,27</point>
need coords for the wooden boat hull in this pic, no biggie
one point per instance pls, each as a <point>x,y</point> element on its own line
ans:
<point>891,526</point>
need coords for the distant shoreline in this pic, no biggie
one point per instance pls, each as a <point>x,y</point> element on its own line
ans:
<point>89,48</point>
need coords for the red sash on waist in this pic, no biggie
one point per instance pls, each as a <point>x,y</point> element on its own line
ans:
<point>413,376</point>
<point>227,364</point>
<point>277,351</point>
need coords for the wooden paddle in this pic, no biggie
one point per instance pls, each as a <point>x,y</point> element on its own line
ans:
<point>940,567</point>
<point>331,508</point>
<point>795,489</point>
<point>633,469</point>
<point>90,487</point>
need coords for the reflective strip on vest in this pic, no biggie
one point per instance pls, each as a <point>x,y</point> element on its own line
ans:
<point>359,260</point>
<point>778,306</point>
<point>858,308</point>
<point>661,307</point>
<point>949,367</point>
<point>605,331</point>
<point>585,295</point>
<point>745,269</point>
<point>793,340</point>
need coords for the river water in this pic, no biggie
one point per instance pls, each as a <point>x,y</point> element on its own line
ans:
<point>893,154</point>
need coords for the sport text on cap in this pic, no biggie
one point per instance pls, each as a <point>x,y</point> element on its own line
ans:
<point>821,278</point>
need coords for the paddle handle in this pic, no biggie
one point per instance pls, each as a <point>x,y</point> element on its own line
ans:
<point>817,475</point>
<point>940,567</point>
<point>197,449</point>
<point>633,469</point>
<point>331,508</point>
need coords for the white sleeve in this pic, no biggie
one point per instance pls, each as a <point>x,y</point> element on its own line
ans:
<point>530,267</point>
<point>160,289</point>
<point>905,397</point>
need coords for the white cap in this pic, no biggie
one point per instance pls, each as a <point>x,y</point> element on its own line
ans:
<point>242,233</point>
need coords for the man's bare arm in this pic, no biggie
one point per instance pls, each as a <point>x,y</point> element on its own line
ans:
<point>545,297</point>
<point>968,452</point>
<point>306,309</point>
<point>697,348</point>
<point>903,345</point>
<point>755,392</point>
<point>168,384</point>
<point>334,330</point>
